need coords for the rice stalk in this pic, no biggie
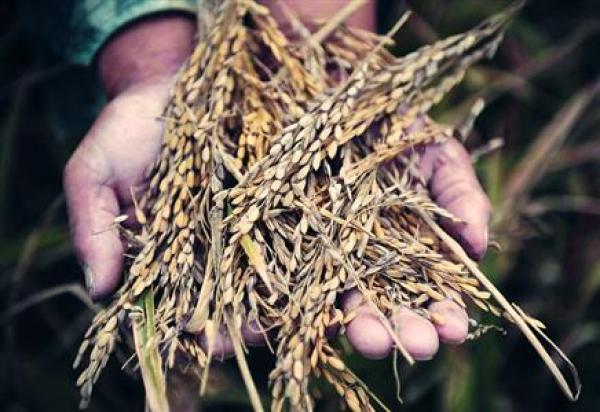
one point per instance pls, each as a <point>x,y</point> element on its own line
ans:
<point>286,178</point>
<point>146,349</point>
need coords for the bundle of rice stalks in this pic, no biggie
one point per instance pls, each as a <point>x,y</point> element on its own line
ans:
<point>286,178</point>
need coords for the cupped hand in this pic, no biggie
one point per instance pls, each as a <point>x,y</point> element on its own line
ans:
<point>112,158</point>
<point>136,68</point>
<point>453,185</point>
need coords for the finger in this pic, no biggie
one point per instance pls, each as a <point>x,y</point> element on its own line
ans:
<point>454,186</point>
<point>365,332</point>
<point>222,347</point>
<point>369,337</point>
<point>252,334</point>
<point>451,321</point>
<point>93,206</point>
<point>416,334</point>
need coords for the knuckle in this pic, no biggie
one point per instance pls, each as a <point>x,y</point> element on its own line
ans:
<point>69,171</point>
<point>460,189</point>
<point>455,191</point>
<point>73,170</point>
<point>455,150</point>
<point>483,202</point>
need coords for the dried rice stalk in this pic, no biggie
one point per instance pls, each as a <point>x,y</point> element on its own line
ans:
<point>286,177</point>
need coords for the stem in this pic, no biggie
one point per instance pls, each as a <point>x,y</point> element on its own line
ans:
<point>518,319</point>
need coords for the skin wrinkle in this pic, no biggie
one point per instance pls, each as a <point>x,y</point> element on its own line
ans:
<point>453,192</point>
<point>77,182</point>
<point>96,244</point>
<point>131,102</point>
<point>92,166</point>
<point>106,206</point>
<point>456,188</point>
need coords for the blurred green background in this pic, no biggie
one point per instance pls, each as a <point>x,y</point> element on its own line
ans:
<point>544,182</point>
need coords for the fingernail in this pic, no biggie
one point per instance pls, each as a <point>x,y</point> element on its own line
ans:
<point>438,319</point>
<point>89,279</point>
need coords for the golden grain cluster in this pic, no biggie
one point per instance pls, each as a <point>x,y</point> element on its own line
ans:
<point>285,179</point>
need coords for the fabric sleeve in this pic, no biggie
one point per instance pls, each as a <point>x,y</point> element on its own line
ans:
<point>92,22</point>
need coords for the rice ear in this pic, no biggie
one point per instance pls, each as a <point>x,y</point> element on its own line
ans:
<point>287,176</point>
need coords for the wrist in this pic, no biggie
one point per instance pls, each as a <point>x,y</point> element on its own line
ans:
<point>149,49</point>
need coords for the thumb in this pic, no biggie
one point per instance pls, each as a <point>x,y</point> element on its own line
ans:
<point>454,186</point>
<point>92,206</point>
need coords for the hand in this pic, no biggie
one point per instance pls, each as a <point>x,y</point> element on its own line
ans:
<point>112,157</point>
<point>136,68</point>
<point>454,186</point>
